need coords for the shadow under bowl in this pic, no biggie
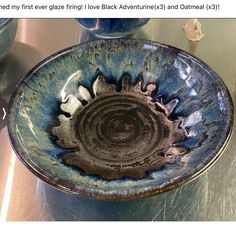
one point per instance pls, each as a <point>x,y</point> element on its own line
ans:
<point>120,119</point>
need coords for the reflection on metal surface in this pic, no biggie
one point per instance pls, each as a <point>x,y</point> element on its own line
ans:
<point>8,188</point>
<point>192,47</point>
<point>23,31</point>
<point>185,203</point>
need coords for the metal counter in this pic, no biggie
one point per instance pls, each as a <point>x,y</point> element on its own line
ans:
<point>25,197</point>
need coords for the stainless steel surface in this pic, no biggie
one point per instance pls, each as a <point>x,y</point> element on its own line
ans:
<point>24,197</point>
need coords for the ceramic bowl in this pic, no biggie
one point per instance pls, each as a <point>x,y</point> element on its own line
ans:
<point>112,27</point>
<point>8,29</point>
<point>120,119</point>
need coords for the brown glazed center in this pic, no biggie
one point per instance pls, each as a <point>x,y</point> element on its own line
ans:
<point>118,134</point>
<point>121,129</point>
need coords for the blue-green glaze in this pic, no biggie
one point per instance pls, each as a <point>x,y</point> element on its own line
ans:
<point>8,29</point>
<point>204,101</point>
<point>112,27</point>
<point>3,21</point>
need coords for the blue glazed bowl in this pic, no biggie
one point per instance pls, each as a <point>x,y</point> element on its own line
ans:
<point>115,27</point>
<point>120,119</point>
<point>8,29</point>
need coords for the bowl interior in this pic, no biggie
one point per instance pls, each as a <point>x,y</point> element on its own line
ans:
<point>172,98</point>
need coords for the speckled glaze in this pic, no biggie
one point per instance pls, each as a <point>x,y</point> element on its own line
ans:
<point>204,104</point>
<point>112,27</point>
<point>8,29</point>
<point>119,131</point>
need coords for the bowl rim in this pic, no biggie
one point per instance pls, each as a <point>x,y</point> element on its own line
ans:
<point>133,194</point>
<point>6,22</point>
